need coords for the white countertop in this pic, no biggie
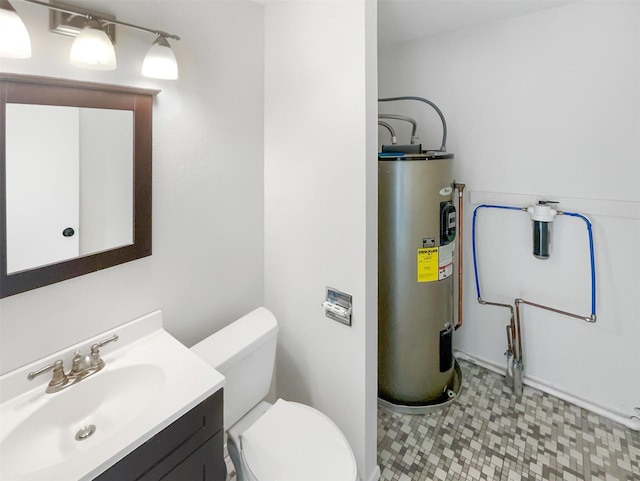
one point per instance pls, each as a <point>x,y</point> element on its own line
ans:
<point>172,380</point>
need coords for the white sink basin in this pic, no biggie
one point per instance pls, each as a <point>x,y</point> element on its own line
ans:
<point>148,382</point>
<point>108,400</point>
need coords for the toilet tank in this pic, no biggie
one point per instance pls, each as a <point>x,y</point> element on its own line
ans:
<point>244,352</point>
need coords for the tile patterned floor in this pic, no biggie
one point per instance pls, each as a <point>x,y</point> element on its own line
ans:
<point>488,435</point>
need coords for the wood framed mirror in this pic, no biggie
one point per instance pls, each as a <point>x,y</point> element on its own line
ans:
<point>75,178</point>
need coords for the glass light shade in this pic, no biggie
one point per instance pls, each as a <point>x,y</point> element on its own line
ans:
<point>14,37</point>
<point>160,61</point>
<point>93,49</point>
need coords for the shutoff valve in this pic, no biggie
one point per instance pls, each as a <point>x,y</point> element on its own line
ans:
<point>542,215</point>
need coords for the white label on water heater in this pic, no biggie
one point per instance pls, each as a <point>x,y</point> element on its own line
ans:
<point>444,272</point>
<point>445,261</point>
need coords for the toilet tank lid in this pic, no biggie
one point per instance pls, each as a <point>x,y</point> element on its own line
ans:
<point>222,348</point>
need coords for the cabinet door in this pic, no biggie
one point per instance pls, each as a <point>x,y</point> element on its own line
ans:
<point>205,464</point>
<point>198,430</point>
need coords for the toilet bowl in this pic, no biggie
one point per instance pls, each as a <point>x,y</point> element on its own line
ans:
<point>286,441</point>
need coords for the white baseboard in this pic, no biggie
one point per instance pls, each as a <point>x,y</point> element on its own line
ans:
<point>375,475</point>
<point>554,391</point>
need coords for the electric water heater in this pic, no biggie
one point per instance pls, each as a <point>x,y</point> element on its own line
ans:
<point>416,233</point>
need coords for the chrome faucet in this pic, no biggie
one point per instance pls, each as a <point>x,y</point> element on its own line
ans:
<point>81,367</point>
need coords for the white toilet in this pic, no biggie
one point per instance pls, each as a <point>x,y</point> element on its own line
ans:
<point>286,441</point>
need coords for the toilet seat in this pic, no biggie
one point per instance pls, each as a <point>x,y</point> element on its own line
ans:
<point>294,442</point>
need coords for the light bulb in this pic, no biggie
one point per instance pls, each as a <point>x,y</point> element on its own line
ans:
<point>14,37</point>
<point>93,49</point>
<point>160,61</point>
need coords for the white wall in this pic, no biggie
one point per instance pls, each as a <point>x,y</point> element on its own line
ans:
<point>545,106</point>
<point>320,184</point>
<point>207,262</point>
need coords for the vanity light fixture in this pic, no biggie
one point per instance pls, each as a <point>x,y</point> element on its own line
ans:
<point>160,61</point>
<point>14,37</point>
<point>93,46</point>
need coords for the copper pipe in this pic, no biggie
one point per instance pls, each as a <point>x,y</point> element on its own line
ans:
<point>515,331</point>
<point>553,309</point>
<point>460,188</point>
<point>547,308</point>
<point>509,329</point>
<point>518,331</point>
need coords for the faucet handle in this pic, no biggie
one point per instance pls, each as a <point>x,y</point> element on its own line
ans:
<point>96,360</point>
<point>59,377</point>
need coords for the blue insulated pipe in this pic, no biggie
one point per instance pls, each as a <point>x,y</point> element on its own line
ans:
<point>473,237</point>
<point>524,209</point>
<point>591,259</point>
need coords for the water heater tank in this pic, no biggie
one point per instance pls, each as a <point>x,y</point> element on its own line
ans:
<point>417,229</point>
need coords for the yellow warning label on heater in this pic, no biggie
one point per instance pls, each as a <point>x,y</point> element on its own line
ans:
<point>428,264</point>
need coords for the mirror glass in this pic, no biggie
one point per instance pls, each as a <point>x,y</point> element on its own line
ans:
<point>69,174</point>
<point>75,178</point>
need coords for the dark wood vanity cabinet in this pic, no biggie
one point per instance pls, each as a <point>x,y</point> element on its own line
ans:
<point>189,449</point>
